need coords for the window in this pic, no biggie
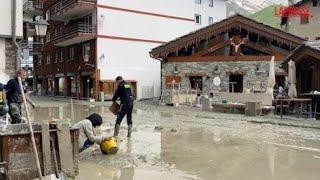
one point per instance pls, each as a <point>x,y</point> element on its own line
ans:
<point>210,20</point>
<point>56,57</point>
<point>197,18</point>
<point>61,55</point>
<point>47,15</point>
<point>197,1</point>
<point>304,20</point>
<point>48,58</point>
<point>86,51</point>
<point>235,83</point>
<point>317,38</point>
<point>196,82</point>
<point>210,3</point>
<point>48,38</point>
<point>71,53</point>
<point>39,57</point>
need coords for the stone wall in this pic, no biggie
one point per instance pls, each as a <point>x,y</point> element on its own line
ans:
<point>10,58</point>
<point>250,77</point>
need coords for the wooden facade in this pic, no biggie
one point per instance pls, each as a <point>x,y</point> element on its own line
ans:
<point>67,66</point>
<point>307,59</point>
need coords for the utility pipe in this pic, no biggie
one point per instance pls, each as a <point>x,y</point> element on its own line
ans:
<point>13,29</point>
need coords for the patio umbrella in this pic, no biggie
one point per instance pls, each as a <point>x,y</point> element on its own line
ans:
<point>292,92</point>
<point>272,77</point>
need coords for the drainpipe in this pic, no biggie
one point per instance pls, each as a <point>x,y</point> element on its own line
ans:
<point>13,29</point>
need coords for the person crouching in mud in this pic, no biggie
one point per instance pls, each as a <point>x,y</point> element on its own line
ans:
<point>87,135</point>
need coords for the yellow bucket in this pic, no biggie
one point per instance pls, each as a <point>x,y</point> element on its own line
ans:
<point>109,146</point>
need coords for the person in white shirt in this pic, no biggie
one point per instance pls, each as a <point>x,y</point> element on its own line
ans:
<point>87,135</point>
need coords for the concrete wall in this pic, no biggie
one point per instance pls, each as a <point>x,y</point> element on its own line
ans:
<point>249,79</point>
<point>5,18</point>
<point>217,12</point>
<point>138,33</point>
<point>310,30</point>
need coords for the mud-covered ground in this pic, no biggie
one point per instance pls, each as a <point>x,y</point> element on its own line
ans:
<point>186,143</point>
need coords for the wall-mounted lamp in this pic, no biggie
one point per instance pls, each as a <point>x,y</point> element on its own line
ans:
<point>102,56</point>
<point>102,17</point>
<point>216,69</point>
<point>175,70</point>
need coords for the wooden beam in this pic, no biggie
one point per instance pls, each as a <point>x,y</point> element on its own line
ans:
<point>213,48</point>
<point>222,58</point>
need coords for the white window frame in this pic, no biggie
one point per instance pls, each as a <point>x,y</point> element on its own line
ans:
<point>56,56</point>
<point>39,58</point>
<point>210,19</point>
<point>84,50</point>
<point>71,53</point>
<point>210,3</point>
<point>61,55</point>
<point>47,14</point>
<point>48,58</point>
<point>48,37</point>
<point>195,19</point>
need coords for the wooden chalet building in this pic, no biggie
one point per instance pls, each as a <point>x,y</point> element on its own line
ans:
<point>307,60</point>
<point>237,49</point>
<point>62,69</point>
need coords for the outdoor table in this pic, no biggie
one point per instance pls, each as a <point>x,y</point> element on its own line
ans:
<point>315,99</point>
<point>298,100</point>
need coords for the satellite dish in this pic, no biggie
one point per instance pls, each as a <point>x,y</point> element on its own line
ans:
<point>216,81</point>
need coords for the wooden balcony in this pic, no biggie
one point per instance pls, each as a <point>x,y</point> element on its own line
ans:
<point>67,9</point>
<point>33,7</point>
<point>74,34</point>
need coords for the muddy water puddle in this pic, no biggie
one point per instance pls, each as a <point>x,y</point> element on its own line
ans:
<point>195,147</point>
<point>199,153</point>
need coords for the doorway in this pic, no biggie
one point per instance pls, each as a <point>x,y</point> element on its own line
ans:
<point>87,86</point>
<point>236,83</point>
<point>306,81</point>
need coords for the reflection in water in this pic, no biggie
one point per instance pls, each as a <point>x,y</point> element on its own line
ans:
<point>220,152</point>
<point>126,174</point>
<point>192,151</point>
<point>272,156</point>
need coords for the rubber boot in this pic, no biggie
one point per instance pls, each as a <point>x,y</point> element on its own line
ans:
<point>116,130</point>
<point>129,131</point>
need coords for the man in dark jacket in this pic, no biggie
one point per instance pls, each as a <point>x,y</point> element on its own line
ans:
<point>14,97</point>
<point>124,92</point>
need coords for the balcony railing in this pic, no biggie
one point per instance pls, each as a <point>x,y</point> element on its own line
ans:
<point>74,29</point>
<point>35,46</point>
<point>32,5</point>
<point>63,4</point>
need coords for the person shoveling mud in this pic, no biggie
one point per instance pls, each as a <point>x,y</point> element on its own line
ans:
<point>87,135</point>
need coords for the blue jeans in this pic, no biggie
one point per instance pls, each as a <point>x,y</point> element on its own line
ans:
<point>86,145</point>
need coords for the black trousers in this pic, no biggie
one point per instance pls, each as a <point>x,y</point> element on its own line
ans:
<point>125,110</point>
